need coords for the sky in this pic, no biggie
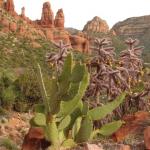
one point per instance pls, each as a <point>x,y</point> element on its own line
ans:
<point>78,12</point>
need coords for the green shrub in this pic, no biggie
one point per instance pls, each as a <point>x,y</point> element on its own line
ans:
<point>7,89</point>
<point>8,144</point>
<point>28,87</point>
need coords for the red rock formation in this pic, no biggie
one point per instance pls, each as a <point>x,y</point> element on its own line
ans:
<point>47,19</point>
<point>132,125</point>
<point>23,12</point>
<point>46,28</point>
<point>59,19</point>
<point>9,6</point>
<point>80,42</point>
<point>1,3</point>
<point>62,35</point>
<point>49,34</point>
<point>23,16</point>
<point>34,140</point>
<point>147,137</point>
<point>96,25</point>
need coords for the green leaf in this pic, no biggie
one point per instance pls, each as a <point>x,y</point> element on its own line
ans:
<point>64,123</point>
<point>85,130</point>
<point>69,143</point>
<point>39,108</point>
<point>85,108</point>
<point>101,112</point>
<point>67,107</point>
<point>8,95</point>
<point>43,89</point>
<point>77,73</point>
<point>54,101</point>
<point>40,119</point>
<point>61,136</point>
<point>8,74</point>
<point>76,127</point>
<point>75,114</point>
<point>72,91</point>
<point>110,128</point>
<point>64,78</point>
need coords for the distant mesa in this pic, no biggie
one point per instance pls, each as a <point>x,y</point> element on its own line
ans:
<point>96,25</point>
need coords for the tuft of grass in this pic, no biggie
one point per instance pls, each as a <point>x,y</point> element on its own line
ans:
<point>8,144</point>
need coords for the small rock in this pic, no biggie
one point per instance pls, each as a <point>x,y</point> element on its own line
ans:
<point>92,147</point>
<point>116,146</point>
<point>124,147</point>
<point>147,137</point>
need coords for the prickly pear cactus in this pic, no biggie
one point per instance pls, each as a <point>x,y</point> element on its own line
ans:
<point>61,99</point>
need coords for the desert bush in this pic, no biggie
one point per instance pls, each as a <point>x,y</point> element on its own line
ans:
<point>28,88</point>
<point>7,88</point>
<point>8,144</point>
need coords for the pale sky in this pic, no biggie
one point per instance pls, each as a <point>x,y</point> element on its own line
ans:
<point>78,12</point>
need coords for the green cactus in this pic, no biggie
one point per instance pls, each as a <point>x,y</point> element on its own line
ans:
<point>110,128</point>
<point>64,123</point>
<point>63,110</point>
<point>82,129</point>
<point>60,100</point>
<point>101,112</point>
<point>85,130</point>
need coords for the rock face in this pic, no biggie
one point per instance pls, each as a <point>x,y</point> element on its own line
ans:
<point>147,137</point>
<point>131,125</point>
<point>80,42</point>
<point>136,26</point>
<point>96,25</point>
<point>47,27</point>
<point>47,19</point>
<point>59,19</point>
<point>9,6</point>
<point>1,3</point>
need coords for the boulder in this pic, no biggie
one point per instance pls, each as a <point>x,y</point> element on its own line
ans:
<point>80,42</point>
<point>147,137</point>
<point>61,35</point>
<point>92,147</point>
<point>133,123</point>
<point>35,140</point>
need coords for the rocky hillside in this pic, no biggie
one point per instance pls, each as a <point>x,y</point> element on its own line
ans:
<point>136,27</point>
<point>49,27</point>
<point>96,25</point>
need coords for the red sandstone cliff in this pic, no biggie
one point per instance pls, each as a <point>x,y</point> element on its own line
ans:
<point>47,27</point>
